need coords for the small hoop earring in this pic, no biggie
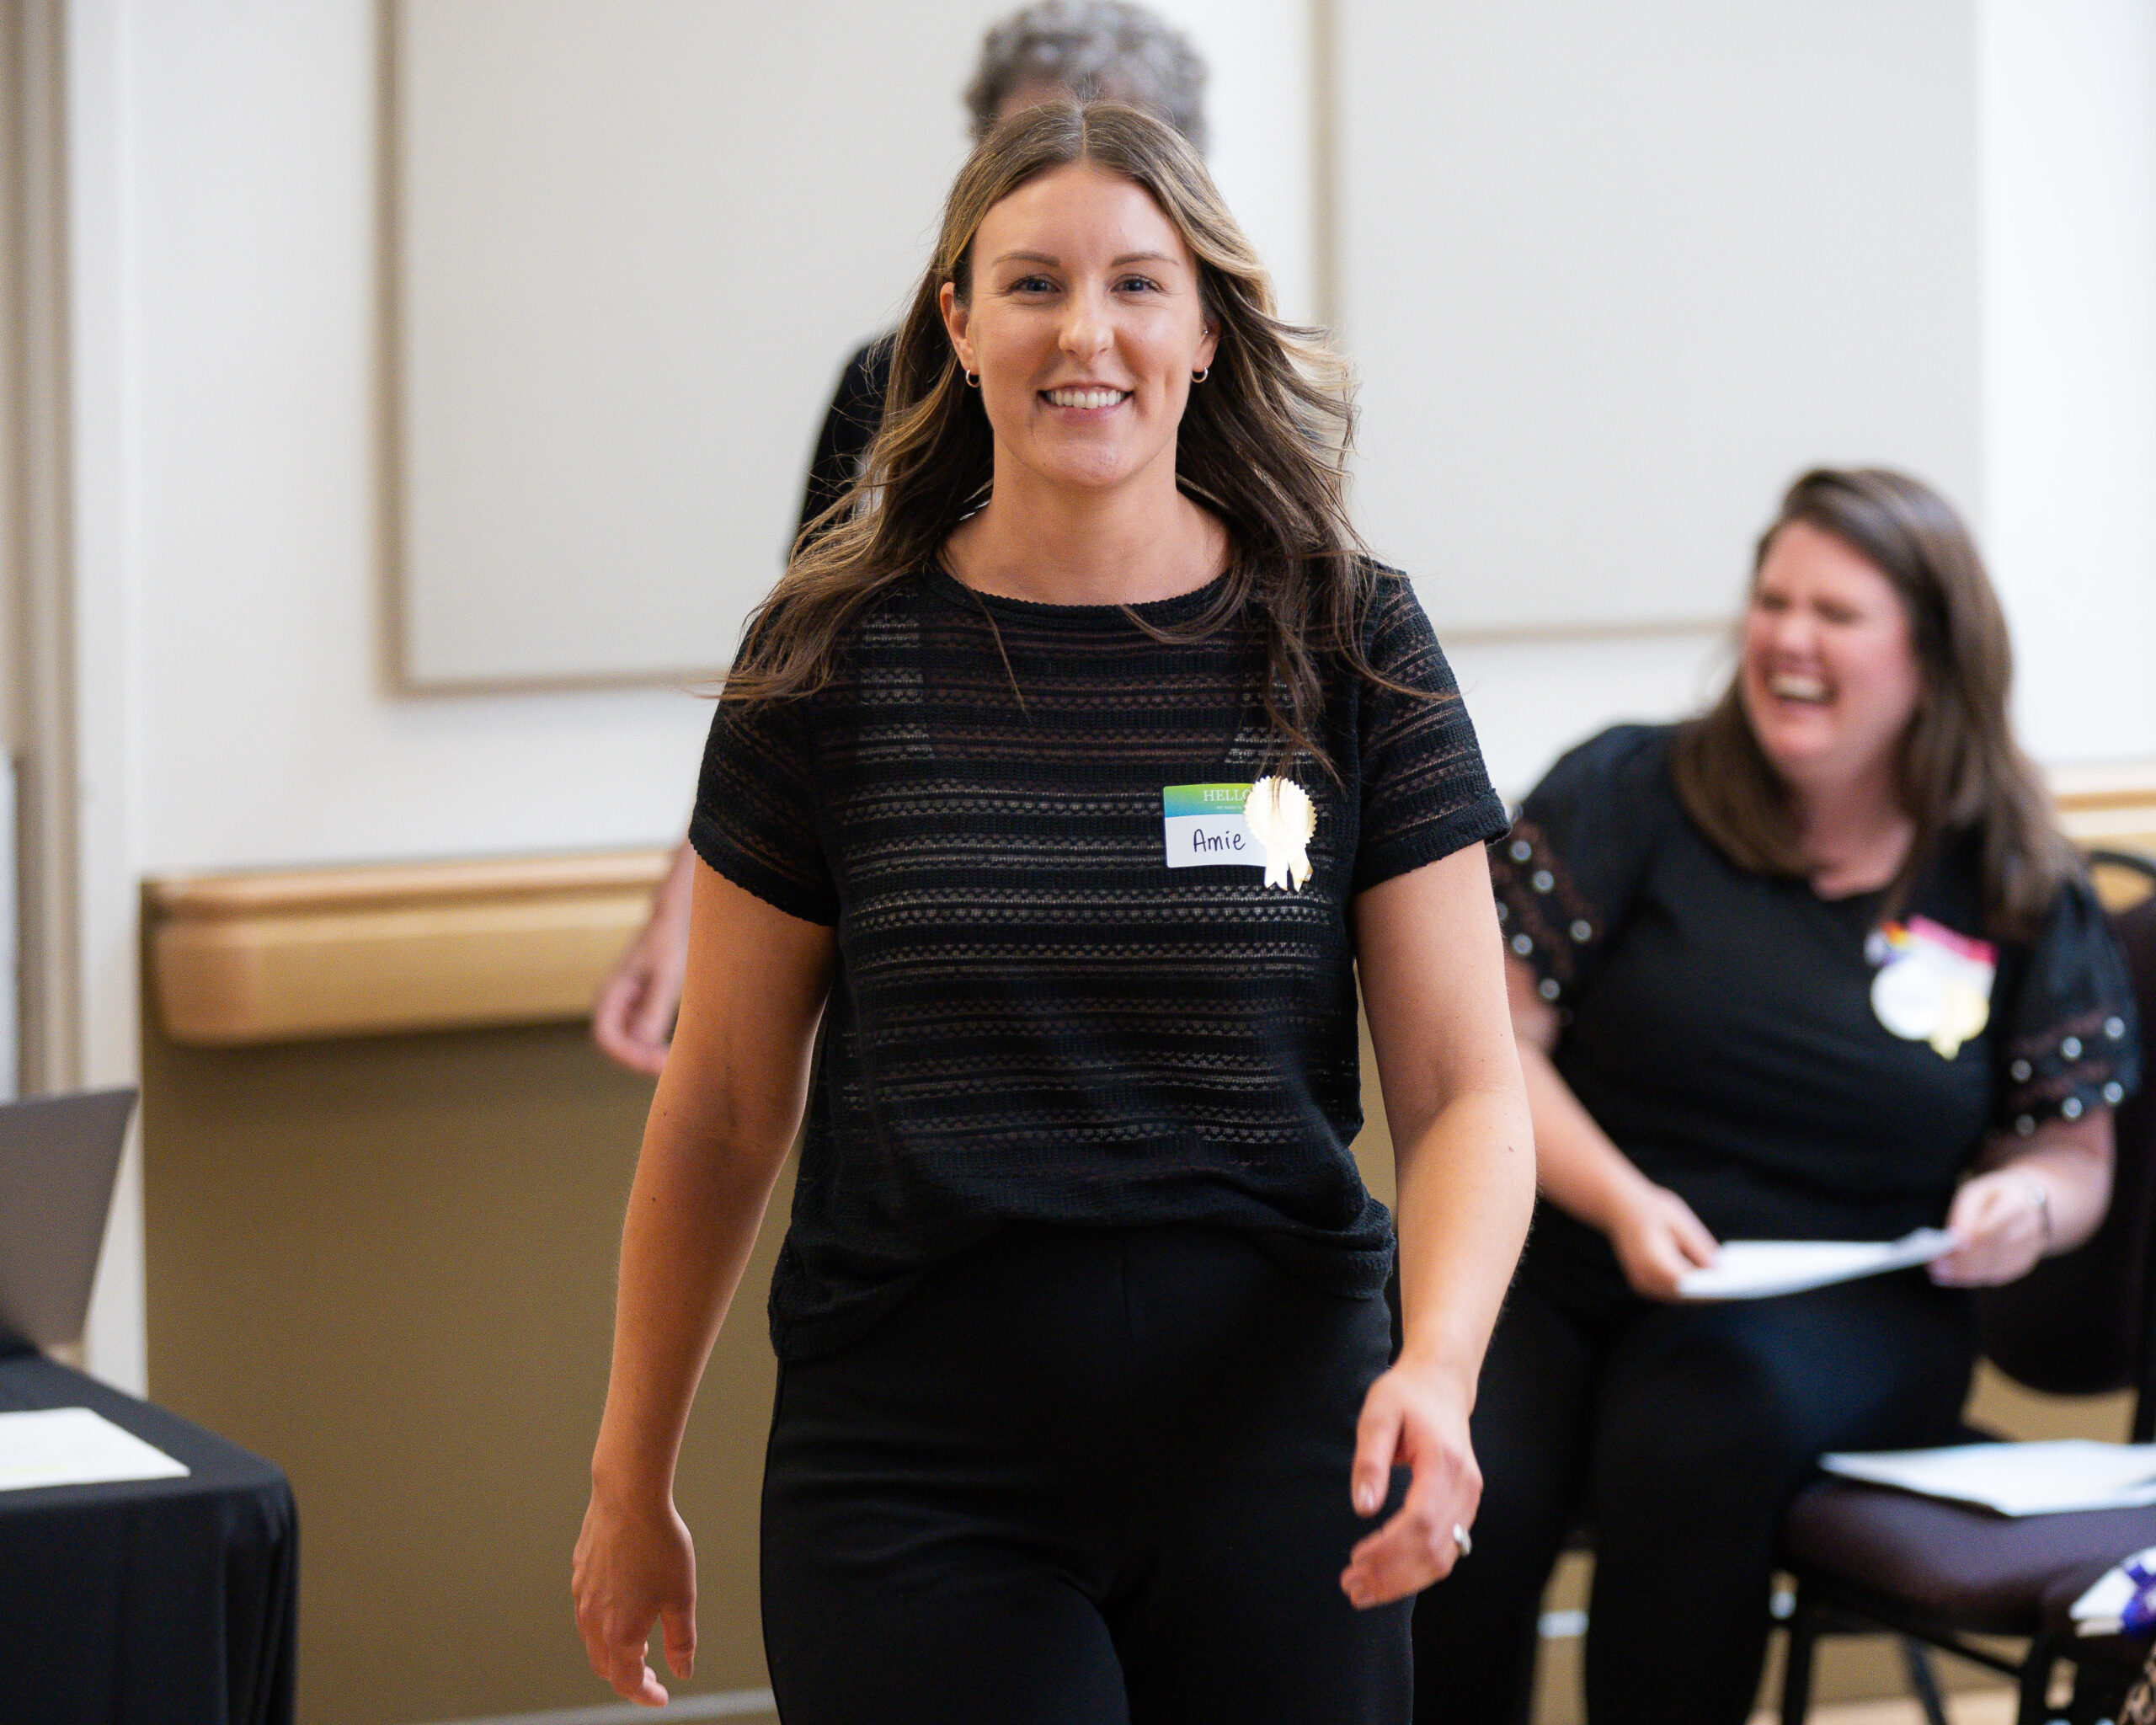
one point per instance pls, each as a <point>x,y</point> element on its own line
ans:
<point>1200,377</point>
<point>972,380</point>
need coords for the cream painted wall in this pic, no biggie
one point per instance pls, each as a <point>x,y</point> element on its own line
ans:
<point>631,245</point>
<point>12,127</point>
<point>11,614</point>
<point>1615,273</point>
<point>1586,271</point>
<point>104,671</point>
<point>252,426</point>
<point>1533,700</point>
<point>248,297</point>
<point>2069,342</point>
<point>2062,370</point>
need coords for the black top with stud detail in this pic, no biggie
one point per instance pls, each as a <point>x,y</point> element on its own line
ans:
<point>1728,1031</point>
<point>1035,1016</point>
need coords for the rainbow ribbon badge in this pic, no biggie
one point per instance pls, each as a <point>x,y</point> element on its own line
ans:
<point>1934,985</point>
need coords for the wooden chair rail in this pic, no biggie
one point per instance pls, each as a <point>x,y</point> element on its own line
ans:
<point>288,956</point>
<point>285,956</point>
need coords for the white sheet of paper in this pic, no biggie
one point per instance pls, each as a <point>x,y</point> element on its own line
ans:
<point>1752,1269</point>
<point>74,1446</point>
<point>2016,1479</point>
<point>2098,1611</point>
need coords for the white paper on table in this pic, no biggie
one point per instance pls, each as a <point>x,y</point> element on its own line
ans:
<point>2016,1479</point>
<point>1752,1269</point>
<point>74,1446</point>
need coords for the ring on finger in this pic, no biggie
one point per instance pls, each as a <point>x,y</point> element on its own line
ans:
<point>1460,1538</point>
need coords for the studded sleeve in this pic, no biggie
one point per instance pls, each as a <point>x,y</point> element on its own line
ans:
<point>2068,1041</point>
<point>1568,871</point>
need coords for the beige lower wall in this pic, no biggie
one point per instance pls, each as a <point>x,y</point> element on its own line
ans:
<point>386,1264</point>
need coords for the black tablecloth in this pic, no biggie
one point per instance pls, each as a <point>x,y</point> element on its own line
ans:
<point>147,1602</point>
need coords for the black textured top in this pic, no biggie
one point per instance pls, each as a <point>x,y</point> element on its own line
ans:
<point>1046,1006</point>
<point>1729,1030</point>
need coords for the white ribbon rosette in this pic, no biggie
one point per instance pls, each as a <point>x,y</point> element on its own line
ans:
<point>1281,818</point>
<point>1933,985</point>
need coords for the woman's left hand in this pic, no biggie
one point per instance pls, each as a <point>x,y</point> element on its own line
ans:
<point>1418,1420</point>
<point>2000,1226</point>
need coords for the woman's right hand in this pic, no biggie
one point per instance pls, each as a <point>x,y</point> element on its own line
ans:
<point>1657,1239</point>
<point>632,1017</point>
<point>634,1566</point>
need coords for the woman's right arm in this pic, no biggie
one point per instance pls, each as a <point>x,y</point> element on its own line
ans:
<point>632,1017</point>
<point>1578,1168</point>
<point>727,1109</point>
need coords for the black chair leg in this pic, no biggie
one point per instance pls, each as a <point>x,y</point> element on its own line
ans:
<point>2099,1692</point>
<point>2035,1708</point>
<point>1916,1660</point>
<point>1797,1667</point>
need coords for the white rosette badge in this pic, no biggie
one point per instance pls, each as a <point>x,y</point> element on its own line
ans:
<point>1933,985</point>
<point>1281,818</point>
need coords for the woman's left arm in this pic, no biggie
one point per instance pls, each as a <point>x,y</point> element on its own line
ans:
<point>2038,1195</point>
<point>1432,966</point>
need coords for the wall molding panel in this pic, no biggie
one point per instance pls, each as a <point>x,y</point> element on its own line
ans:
<point>298,954</point>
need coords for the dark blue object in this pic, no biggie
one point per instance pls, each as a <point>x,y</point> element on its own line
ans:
<point>2140,1612</point>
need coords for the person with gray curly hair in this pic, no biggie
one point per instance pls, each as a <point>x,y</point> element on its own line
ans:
<point>1094,50</point>
<point>1044,52</point>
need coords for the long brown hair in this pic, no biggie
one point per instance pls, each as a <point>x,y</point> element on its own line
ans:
<point>1262,444</point>
<point>1960,770</point>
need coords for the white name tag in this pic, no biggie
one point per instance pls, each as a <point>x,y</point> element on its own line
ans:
<point>1204,827</point>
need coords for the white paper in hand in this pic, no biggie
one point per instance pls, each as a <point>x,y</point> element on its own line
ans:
<point>1754,1269</point>
<point>74,1446</point>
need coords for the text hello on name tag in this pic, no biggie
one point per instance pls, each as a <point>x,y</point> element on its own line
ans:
<point>1204,827</point>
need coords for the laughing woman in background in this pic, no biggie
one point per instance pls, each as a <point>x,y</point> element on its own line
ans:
<point>1815,966</point>
<point>1062,793</point>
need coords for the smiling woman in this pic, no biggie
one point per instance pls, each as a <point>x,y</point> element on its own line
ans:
<point>1085,356</point>
<point>1245,473</point>
<point>1086,1410</point>
<point>1875,667</point>
<point>1816,965</point>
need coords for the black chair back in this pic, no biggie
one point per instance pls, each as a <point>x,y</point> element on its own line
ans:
<point>2084,1323</point>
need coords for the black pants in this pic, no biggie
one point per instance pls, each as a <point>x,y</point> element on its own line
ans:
<point>1082,1475</point>
<point>1680,1431</point>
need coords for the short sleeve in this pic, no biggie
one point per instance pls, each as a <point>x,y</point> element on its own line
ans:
<point>1425,792</point>
<point>755,815</point>
<point>2068,1040</point>
<point>1568,872</point>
